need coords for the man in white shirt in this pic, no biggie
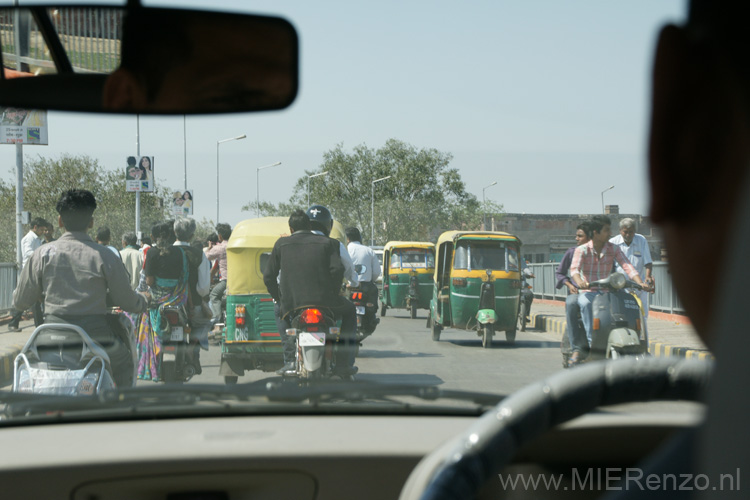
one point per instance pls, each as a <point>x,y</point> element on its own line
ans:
<point>131,257</point>
<point>33,240</point>
<point>362,256</point>
<point>635,248</point>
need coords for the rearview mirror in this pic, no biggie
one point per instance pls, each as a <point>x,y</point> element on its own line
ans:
<point>144,60</point>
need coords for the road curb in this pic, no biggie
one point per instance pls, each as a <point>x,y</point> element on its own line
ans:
<point>657,349</point>
<point>7,356</point>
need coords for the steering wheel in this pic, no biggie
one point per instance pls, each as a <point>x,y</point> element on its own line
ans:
<point>460,468</point>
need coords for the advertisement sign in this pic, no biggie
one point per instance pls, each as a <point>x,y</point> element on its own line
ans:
<point>23,126</point>
<point>139,174</point>
<point>182,203</point>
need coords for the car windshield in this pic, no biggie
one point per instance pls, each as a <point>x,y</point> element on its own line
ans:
<point>413,122</point>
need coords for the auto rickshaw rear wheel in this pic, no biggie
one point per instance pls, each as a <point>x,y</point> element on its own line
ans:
<point>414,311</point>
<point>488,331</point>
<point>382,310</point>
<point>230,379</point>
<point>510,336</point>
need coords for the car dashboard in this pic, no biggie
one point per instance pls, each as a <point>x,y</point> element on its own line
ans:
<point>300,456</point>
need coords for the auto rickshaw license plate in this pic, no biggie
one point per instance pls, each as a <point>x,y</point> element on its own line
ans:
<point>360,310</point>
<point>177,334</point>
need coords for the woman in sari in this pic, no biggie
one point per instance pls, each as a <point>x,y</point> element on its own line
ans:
<point>166,271</point>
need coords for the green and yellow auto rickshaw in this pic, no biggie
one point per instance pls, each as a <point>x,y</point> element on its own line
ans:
<point>251,340</point>
<point>477,284</point>
<point>408,267</point>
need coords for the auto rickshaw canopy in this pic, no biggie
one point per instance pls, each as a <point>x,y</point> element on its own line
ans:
<point>249,248</point>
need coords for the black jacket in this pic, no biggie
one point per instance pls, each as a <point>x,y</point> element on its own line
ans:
<point>311,271</point>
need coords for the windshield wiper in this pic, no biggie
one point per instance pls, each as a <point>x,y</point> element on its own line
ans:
<point>168,396</point>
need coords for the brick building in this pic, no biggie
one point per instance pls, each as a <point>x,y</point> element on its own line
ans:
<point>546,237</point>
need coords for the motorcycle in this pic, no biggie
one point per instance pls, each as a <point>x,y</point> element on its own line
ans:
<point>527,297</point>
<point>365,300</point>
<point>179,359</point>
<point>617,322</point>
<point>62,359</point>
<point>317,341</point>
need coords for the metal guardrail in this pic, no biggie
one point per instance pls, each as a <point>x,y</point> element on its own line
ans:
<point>663,299</point>
<point>8,276</point>
<point>91,38</point>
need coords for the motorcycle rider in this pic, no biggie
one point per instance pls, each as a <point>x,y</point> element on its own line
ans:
<point>199,278</point>
<point>592,262</point>
<point>370,266</point>
<point>76,277</point>
<point>306,269</point>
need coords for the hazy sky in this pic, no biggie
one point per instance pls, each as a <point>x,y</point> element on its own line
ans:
<point>548,98</point>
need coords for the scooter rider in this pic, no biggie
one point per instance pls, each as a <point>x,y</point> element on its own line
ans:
<point>365,257</point>
<point>635,248</point>
<point>76,277</point>
<point>576,335</point>
<point>592,262</point>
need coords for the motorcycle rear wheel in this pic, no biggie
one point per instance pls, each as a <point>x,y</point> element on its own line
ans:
<point>522,316</point>
<point>435,329</point>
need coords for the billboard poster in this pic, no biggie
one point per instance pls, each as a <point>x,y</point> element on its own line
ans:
<point>23,126</point>
<point>139,174</point>
<point>182,203</point>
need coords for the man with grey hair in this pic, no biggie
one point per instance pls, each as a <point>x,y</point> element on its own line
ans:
<point>199,280</point>
<point>131,257</point>
<point>635,248</point>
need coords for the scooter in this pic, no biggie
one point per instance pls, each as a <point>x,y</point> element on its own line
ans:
<point>62,359</point>
<point>317,342</point>
<point>179,361</point>
<point>617,322</point>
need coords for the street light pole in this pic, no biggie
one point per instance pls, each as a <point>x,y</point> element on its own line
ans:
<point>217,169</point>
<point>308,184</point>
<point>372,213</point>
<point>484,206</point>
<point>610,187</point>
<point>257,185</point>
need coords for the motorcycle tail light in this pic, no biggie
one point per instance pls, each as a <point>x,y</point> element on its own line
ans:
<point>459,281</point>
<point>312,316</point>
<point>172,317</point>
<point>596,323</point>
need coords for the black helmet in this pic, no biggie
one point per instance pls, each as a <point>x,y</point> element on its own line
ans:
<point>320,219</point>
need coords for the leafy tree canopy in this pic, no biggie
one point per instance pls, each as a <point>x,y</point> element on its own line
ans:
<point>423,197</point>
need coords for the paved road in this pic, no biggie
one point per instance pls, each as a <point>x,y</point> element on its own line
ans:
<point>402,351</point>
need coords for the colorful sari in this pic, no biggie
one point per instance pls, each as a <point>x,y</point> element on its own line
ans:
<point>150,335</point>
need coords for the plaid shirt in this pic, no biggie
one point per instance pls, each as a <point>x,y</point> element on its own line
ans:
<point>593,267</point>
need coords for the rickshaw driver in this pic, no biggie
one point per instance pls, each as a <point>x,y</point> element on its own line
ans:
<point>306,269</point>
